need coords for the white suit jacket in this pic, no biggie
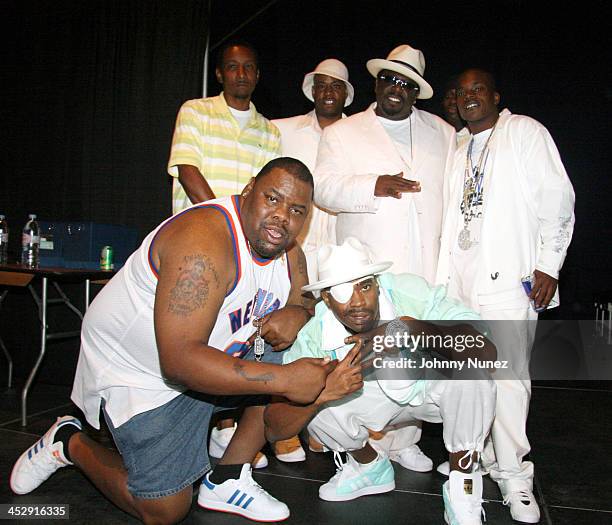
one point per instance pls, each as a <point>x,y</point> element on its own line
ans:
<point>353,153</point>
<point>300,137</point>
<point>528,214</point>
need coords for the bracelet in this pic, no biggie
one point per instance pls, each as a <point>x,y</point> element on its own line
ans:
<point>396,328</point>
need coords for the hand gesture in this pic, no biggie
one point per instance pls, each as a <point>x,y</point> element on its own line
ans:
<point>395,185</point>
<point>345,379</point>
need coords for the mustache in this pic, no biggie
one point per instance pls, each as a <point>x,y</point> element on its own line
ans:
<point>354,311</point>
<point>276,226</point>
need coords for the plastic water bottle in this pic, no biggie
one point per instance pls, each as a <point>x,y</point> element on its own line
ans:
<point>4,238</point>
<point>30,242</point>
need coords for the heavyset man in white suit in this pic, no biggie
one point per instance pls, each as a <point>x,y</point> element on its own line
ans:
<point>382,171</point>
<point>510,215</point>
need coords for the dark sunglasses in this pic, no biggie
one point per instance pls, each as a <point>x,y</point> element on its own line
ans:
<point>404,84</point>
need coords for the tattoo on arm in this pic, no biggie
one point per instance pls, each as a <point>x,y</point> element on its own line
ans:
<point>239,369</point>
<point>191,289</point>
<point>302,269</point>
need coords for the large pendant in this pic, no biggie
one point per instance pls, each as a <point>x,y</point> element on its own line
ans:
<point>258,348</point>
<point>464,239</point>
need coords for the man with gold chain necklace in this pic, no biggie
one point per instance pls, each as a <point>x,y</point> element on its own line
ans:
<point>509,219</point>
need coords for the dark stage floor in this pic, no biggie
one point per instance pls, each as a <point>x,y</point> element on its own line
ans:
<point>570,431</point>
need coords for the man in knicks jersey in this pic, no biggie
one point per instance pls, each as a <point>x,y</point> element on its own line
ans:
<point>165,344</point>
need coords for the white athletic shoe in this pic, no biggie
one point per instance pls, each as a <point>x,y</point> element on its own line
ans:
<point>219,440</point>
<point>41,460</point>
<point>443,468</point>
<point>462,495</point>
<point>353,480</point>
<point>242,496</point>
<point>289,450</point>
<point>412,458</point>
<point>518,495</point>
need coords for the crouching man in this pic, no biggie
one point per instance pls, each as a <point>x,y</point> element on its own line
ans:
<point>356,298</point>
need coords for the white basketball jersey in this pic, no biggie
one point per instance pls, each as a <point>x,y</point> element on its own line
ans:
<point>119,361</point>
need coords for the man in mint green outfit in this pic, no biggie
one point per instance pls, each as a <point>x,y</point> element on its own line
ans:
<point>357,296</point>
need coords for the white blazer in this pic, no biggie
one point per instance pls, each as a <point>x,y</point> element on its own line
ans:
<point>300,136</point>
<point>353,153</point>
<point>528,214</point>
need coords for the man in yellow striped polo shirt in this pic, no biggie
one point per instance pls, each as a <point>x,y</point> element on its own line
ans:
<point>220,142</point>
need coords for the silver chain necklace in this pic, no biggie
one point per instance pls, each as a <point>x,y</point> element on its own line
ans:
<point>259,343</point>
<point>471,185</point>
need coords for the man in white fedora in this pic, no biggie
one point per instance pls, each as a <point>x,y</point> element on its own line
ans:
<point>382,172</point>
<point>329,88</point>
<point>357,297</point>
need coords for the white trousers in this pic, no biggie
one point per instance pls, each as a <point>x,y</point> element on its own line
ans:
<point>508,443</point>
<point>465,408</point>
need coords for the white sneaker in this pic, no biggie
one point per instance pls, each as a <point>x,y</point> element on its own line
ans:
<point>518,495</point>
<point>219,440</point>
<point>289,450</point>
<point>412,458</point>
<point>462,495</point>
<point>353,480</point>
<point>41,460</point>
<point>260,461</point>
<point>242,496</point>
<point>443,468</point>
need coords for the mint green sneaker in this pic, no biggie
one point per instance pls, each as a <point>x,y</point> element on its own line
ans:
<point>353,480</point>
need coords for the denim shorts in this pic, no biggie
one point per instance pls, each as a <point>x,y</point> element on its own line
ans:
<point>165,449</point>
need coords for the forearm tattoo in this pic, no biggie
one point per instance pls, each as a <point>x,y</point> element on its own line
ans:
<point>192,285</point>
<point>239,369</point>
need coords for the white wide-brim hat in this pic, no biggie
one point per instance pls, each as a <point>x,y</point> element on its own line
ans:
<point>345,263</point>
<point>407,61</point>
<point>332,68</point>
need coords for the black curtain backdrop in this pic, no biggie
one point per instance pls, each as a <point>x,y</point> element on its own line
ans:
<point>92,89</point>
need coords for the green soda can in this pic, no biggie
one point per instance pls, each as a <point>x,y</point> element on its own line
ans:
<point>106,258</point>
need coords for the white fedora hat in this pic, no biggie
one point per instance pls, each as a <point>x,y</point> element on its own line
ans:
<point>332,68</point>
<point>345,263</point>
<point>409,62</point>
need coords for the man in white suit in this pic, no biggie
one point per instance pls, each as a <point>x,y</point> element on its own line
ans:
<point>510,216</point>
<point>329,88</point>
<point>382,172</point>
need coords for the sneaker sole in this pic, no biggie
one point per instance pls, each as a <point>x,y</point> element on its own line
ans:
<point>365,491</point>
<point>524,519</point>
<point>291,457</point>
<point>219,506</point>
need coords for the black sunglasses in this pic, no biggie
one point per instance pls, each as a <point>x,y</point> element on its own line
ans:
<point>396,81</point>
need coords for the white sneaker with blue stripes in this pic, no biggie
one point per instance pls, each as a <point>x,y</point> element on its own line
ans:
<point>41,460</point>
<point>242,496</point>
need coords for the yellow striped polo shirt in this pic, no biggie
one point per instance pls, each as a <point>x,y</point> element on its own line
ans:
<point>208,137</point>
